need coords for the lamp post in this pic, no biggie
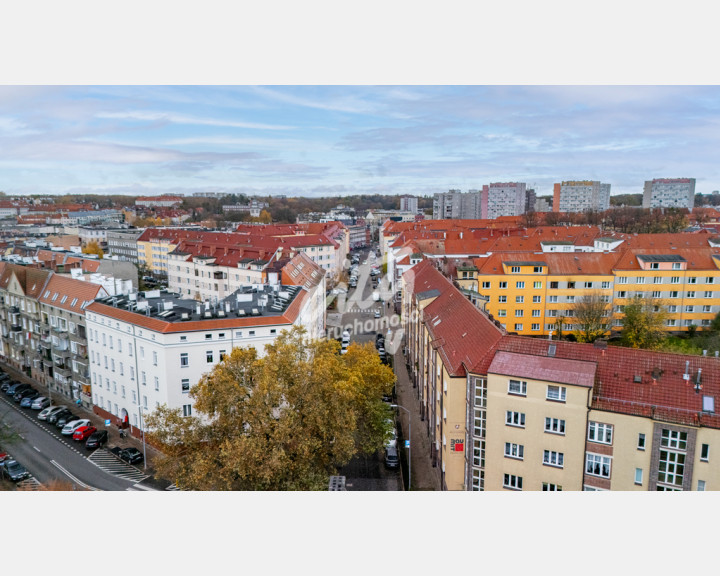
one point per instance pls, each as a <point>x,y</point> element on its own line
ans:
<point>142,426</point>
<point>409,443</point>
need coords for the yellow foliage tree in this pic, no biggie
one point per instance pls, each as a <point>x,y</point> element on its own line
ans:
<point>93,247</point>
<point>286,421</point>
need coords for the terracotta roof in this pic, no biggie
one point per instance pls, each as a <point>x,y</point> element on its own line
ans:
<point>547,369</point>
<point>698,258</point>
<point>569,263</point>
<point>302,271</point>
<point>71,293</point>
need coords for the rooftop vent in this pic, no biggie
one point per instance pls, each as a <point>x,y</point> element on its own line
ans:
<point>637,379</point>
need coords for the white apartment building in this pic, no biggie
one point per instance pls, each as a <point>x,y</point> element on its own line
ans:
<point>503,199</point>
<point>151,350</point>
<point>409,204</point>
<point>457,206</point>
<point>669,193</point>
<point>580,196</point>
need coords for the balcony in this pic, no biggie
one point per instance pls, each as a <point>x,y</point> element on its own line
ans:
<point>14,310</point>
<point>64,372</point>
<point>60,329</point>
<point>16,328</point>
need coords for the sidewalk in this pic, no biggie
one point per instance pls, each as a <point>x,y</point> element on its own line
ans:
<point>423,475</point>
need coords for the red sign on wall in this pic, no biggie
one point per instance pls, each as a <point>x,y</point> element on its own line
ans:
<point>457,445</point>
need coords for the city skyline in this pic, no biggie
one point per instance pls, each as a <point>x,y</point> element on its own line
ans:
<point>343,140</point>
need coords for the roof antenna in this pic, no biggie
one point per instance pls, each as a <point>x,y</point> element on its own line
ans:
<point>698,386</point>
<point>686,376</point>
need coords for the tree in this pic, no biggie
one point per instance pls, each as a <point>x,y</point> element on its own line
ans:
<point>286,421</point>
<point>93,247</point>
<point>529,219</point>
<point>592,316</point>
<point>265,217</point>
<point>643,324</point>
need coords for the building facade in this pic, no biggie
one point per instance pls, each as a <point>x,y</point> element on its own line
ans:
<point>503,199</point>
<point>669,193</point>
<point>455,205</point>
<point>409,204</point>
<point>581,196</point>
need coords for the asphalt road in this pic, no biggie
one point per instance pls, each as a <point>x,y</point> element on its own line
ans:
<point>48,455</point>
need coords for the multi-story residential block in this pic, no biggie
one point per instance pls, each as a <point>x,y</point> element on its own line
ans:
<point>503,199</point>
<point>454,205</point>
<point>254,208</point>
<point>669,193</point>
<point>553,415</point>
<point>150,350</point>
<point>161,201</point>
<point>580,196</point>
<point>123,244</point>
<point>409,204</point>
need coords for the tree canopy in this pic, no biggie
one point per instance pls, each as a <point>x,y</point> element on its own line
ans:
<point>284,421</point>
<point>644,323</point>
<point>592,317</point>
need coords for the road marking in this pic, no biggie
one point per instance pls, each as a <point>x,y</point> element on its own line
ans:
<point>73,478</point>
<point>21,436</point>
<point>36,448</point>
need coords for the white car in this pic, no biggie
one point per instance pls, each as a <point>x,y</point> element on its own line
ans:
<point>377,313</point>
<point>70,427</point>
<point>43,415</point>
<point>392,441</point>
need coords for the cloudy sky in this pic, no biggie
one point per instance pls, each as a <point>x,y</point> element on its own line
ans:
<point>338,140</point>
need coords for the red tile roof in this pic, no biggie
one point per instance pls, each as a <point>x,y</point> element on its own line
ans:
<point>559,370</point>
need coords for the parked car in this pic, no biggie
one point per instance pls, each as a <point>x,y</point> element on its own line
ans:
<point>392,438</point>
<point>64,419</point>
<point>49,411</point>
<point>14,471</point>
<point>27,401</point>
<point>131,455</point>
<point>53,418</point>
<point>391,457</point>
<point>3,456</point>
<point>5,385</point>
<point>84,432</point>
<point>16,387</point>
<point>73,425</point>
<point>377,313</point>
<point>4,377</point>
<point>27,392</point>
<point>40,402</point>
<point>97,439</point>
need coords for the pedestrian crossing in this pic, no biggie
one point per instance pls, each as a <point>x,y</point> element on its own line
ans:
<point>140,488</point>
<point>108,462</point>
<point>29,484</point>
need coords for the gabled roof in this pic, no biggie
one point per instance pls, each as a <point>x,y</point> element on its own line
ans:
<point>71,294</point>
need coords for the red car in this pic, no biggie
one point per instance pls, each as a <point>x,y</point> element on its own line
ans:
<point>83,432</point>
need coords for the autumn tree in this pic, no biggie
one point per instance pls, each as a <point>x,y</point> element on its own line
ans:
<point>284,421</point>
<point>93,247</point>
<point>644,323</point>
<point>592,316</point>
<point>265,217</point>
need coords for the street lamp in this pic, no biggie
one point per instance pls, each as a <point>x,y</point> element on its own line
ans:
<point>142,425</point>
<point>409,443</point>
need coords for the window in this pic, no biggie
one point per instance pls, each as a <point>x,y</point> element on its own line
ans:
<point>638,476</point>
<point>552,299</point>
<point>144,378</point>
<point>571,285</point>
<point>183,338</point>
<point>709,280</point>
<point>704,452</point>
<point>519,313</point>
<point>675,280</point>
<point>515,419</point>
<point>673,439</point>
<point>689,308</point>
<point>552,458</point>
<point>502,285</point>
<point>692,280</point>
<point>701,486</point>
<point>185,382</point>
<point>502,299</point>
<point>708,404</point>
<point>519,284</point>
<point>208,336</point>
<point>187,410</point>
<point>622,280</point>
<point>551,487</point>
<point>515,270</point>
<point>519,299</point>
<point>221,336</point>
<point>554,285</point>
<point>486,285</point>
<point>654,265</point>
<point>251,333</point>
<point>601,433</point>
<point>677,266</point>
<point>514,450</point>
<point>656,294</point>
<point>590,284</point>
<point>657,279</point>
<point>537,270</point>
<point>672,308</point>
<point>621,294</point>
<point>691,294</point>
<point>157,383</point>
<point>155,361</point>
<point>556,393</point>
<point>554,425</point>
<point>132,373</point>
<point>671,469</point>
<point>537,299</point>
<point>517,387</point>
<point>222,355</point>
<point>209,356</point>
<point>605,284</point>
<point>537,284</point>
<point>112,364</point>
<point>184,361</point>
<point>674,294</point>
<point>535,326</point>
<point>571,299</point>
<point>512,482</point>
<point>597,465</point>
<point>518,327</point>
<point>502,313</point>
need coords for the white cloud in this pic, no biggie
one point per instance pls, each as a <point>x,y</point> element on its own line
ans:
<point>150,116</point>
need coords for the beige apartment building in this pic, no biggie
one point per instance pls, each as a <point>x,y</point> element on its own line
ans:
<point>554,415</point>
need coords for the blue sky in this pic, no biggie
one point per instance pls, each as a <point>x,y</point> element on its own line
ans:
<point>339,140</point>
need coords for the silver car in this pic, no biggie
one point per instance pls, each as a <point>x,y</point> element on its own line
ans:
<point>40,402</point>
<point>49,411</point>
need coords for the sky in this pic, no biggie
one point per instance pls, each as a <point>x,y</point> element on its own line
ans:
<point>320,140</point>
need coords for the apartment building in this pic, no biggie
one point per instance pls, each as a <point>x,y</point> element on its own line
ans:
<point>580,196</point>
<point>503,199</point>
<point>161,201</point>
<point>409,204</point>
<point>669,193</point>
<point>43,327</point>
<point>123,244</point>
<point>455,205</point>
<point>151,349</point>
<point>553,415</point>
